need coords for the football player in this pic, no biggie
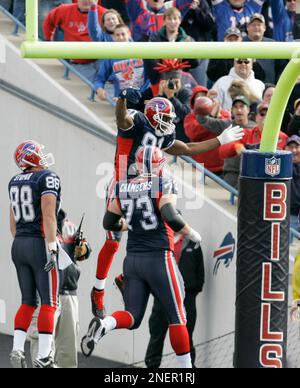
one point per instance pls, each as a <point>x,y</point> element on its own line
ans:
<point>34,204</point>
<point>154,127</point>
<point>146,207</point>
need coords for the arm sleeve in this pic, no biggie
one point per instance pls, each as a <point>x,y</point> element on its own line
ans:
<point>183,6</point>
<point>112,222</point>
<point>51,22</point>
<point>171,216</point>
<point>134,9</point>
<point>216,126</point>
<point>50,184</point>
<point>95,31</point>
<point>103,74</point>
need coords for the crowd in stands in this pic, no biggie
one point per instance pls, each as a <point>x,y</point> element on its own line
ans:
<point>240,88</point>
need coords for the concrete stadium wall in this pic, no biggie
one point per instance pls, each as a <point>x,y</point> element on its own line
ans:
<point>79,157</point>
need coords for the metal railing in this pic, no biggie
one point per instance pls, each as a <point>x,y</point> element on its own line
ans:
<point>68,67</point>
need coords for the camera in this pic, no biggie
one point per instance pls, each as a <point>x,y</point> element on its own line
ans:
<point>171,84</point>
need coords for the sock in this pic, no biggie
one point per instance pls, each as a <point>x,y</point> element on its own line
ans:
<point>45,345</point>
<point>184,361</point>
<point>100,284</point>
<point>46,329</point>
<point>110,323</point>
<point>105,259</point>
<point>180,339</point>
<point>22,322</point>
<point>19,340</point>
<point>46,319</point>
<point>124,320</point>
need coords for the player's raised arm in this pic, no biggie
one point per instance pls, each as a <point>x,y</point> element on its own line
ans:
<point>124,119</point>
<point>171,216</point>
<point>230,134</point>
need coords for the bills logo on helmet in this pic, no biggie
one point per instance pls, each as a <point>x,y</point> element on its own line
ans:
<point>158,102</point>
<point>225,253</point>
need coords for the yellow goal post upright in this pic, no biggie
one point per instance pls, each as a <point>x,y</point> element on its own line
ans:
<point>265,172</point>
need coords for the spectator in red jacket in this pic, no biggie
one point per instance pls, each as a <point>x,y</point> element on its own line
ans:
<point>197,132</point>
<point>73,20</point>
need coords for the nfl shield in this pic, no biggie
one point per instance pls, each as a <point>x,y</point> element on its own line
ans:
<point>273,166</point>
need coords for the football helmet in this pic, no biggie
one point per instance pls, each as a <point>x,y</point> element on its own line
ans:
<point>150,161</point>
<point>29,154</point>
<point>160,114</point>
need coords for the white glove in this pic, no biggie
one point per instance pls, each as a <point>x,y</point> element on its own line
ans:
<point>231,134</point>
<point>195,237</point>
<point>295,311</point>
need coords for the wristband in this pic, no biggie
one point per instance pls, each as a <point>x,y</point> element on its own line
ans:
<point>52,246</point>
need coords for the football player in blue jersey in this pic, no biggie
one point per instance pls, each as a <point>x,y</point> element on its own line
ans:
<point>146,207</point>
<point>136,129</point>
<point>34,204</point>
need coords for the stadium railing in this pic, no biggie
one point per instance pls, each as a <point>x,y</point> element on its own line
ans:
<point>68,67</point>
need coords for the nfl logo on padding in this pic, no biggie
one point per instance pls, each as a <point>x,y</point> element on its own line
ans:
<point>273,166</point>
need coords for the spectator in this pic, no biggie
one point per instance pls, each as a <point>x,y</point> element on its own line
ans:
<point>45,6</point>
<point>294,125</point>
<point>268,92</point>
<point>103,32</point>
<point>118,5</point>
<point>147,16</point>
<point>256,29</point>
<point>125,73</point>
<point>170,32</point>
<point>218,68</point>
<point>196,132</point>
<point>242,70</point>
<point>73,20</point>
<point>293,145</point>
<point>189,258</point>
<point>172,88</point>
<point>67,326</point>
<point>234,13</point>
<point>199,23</point>
<point>240,113</point>
<point>286,28</point>
<point>267,96</point>
<point>251,140</point>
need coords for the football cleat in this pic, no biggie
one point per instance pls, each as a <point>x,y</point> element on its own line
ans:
<point>97,299</point>
<point>95,332</point>
<point>17,360</point>
<point>44,363</point>
<point>119,282</point>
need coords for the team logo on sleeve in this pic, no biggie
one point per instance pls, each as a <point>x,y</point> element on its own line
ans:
<point>225,253</point>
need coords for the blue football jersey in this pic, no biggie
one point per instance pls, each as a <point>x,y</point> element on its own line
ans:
<point>25,193</point>
<point>139,201</point>
<point>139,135</point>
